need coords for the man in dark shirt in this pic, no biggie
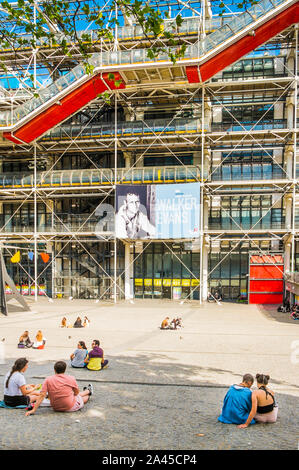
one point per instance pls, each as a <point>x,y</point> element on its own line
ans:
<point>95,358</point>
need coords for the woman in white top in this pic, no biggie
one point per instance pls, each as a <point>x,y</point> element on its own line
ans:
<point>16,392</point>
<point>40,341</point>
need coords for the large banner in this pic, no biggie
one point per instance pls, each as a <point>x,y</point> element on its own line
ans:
<point>158,211</point>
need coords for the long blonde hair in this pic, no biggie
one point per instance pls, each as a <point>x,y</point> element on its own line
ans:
<point>39,336</point>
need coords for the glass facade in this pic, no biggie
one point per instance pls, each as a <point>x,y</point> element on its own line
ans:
<point>247,212</point>
<point>229,273</point>
<point>242,120</point>
<point>170,272</point>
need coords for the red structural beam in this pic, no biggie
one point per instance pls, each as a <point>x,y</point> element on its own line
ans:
<point>243,46</point>
<point>66,106</point>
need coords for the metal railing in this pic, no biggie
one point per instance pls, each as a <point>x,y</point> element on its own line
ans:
<point>190,26</point>
<point>124,129</point>
<point>248,172</point>
<point>48,223</point>
<point>105,176</point>
<point>134,56</point>
<point>239,224</point>
<point>250,125</point>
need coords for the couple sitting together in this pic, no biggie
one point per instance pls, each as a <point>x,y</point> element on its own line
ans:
<point>244,407</point>
<point>93,360</point>
<point>173,325</point>
<point>59,391</point>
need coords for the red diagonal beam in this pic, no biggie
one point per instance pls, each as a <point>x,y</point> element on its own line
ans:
<point>69,105</point>
<point>283,20</point>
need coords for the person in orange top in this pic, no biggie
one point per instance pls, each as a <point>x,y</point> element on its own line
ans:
<point>165,324</point>
<point>40,341</point>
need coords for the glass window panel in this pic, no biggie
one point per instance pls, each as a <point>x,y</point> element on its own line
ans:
<point>266,220</point>
<point>138,265</point>
<point>226,172</point>
<point>246,223</point>
<point>257,171</point>
<point>186,259</point>
<point>267,171</point>
<point>167,271</point>
<point>236,172</point>
<point>158,266</point>
<point>235,265</point>
<point>246,171</point>
<point>225,268</point>
<point>176,266</point>
<point>236,220</point>
<point>214,260</point>
<point>196,264</point>
<point>256,215</point>
<point>148,271</point>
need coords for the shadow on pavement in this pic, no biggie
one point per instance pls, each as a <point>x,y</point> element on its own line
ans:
<point>271,312</point>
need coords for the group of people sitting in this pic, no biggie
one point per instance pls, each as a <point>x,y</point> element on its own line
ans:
<point>93,360</point>
<point>173,325</point>
<point>286,307</point>
<point>60,391</point>
<point>243,407</point>
<point>78,323</point>
<point>25,342</point>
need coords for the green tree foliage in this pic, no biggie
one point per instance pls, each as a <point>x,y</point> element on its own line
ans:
<point>56,23</point>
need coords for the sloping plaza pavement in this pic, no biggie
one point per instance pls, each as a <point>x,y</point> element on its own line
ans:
<point>162,389</point>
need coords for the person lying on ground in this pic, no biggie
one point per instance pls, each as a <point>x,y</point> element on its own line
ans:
<point>16,392</point>
<point>24,341</point>
<point>78,356</point>
<point>237,402</point>
<point>264,408</point>
<point>63,391</point>
<point>95,358</point>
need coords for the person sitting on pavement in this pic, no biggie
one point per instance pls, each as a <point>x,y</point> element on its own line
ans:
<point>63,323</point>
<point>165,324</point>
<point>237,402</point>
<point>95,358</point>
<point>78,323</point>
<point>86,322</point>
<point>173,324</point>
<point>264,408</point>
<point>78,356</point>
<point>63,391</point>
<point>40,341</point>
<point>295,315</point>
<point>16,392</point>
<point>24,341</point>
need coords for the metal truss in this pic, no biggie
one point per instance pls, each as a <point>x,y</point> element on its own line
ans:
<point>204,142</point>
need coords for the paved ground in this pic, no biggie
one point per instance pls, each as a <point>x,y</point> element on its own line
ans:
<point>163,389</point>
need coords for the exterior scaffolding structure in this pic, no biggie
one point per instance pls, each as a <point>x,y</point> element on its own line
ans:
<point>136,139</point>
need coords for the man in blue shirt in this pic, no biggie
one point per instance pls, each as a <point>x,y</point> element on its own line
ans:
<point>237,402</point>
